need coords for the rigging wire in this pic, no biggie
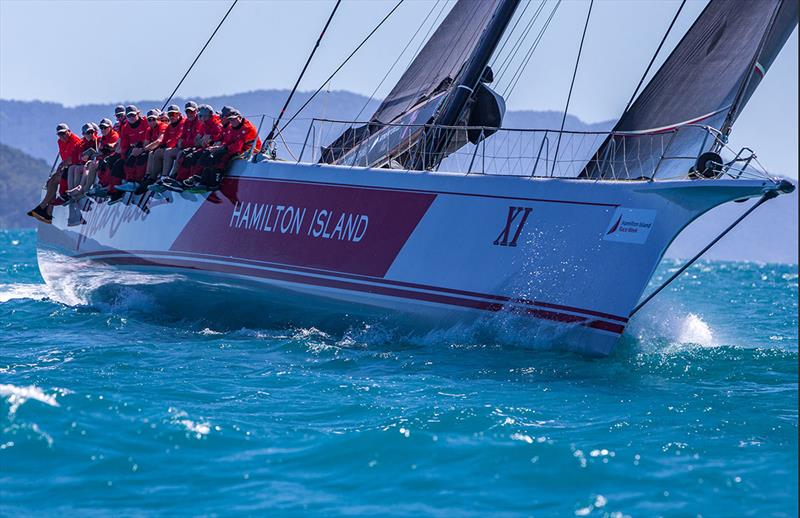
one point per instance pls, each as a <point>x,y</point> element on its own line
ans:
<point>569,95</point>
<point>436,22</point>
<point>277,121</point>
<point>199,54</point>
<point>509,34</point>
<point>764,198</point>
<point>318,90</point>
<point>655,55</point>
<point>501,70</point>
<point>391,68</point>
<point>534,45</point>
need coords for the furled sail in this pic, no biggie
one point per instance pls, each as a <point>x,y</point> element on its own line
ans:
<point>468,33</point>
<point>706,81</point>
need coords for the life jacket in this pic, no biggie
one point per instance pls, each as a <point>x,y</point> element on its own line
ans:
<point>240,139</point>
<point>173,132</point>
<point>70,151</point>
<point>132,136</point>
<point>107,142</point>
<point>156,131</point>
<point>189,131</point>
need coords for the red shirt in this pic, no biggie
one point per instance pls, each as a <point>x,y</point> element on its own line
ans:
<point>70,151</point>
<point>190,130</point>
<point>212,127</point>
<point>239,139</point>
<point>153,132</point>
<point>107,142</point>
<point>173,132</point>
<point>132,136</point>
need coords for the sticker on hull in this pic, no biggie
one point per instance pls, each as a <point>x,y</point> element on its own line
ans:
<point>630,225</point>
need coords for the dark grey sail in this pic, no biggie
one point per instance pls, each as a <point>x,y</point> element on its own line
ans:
<point>425,87</point>
<point>706,81</point>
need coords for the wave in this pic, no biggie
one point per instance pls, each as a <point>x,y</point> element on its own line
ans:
<point>15,291</point>
<point>18,396</point>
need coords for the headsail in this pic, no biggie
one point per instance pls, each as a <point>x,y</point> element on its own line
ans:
<point>706,80</point>
<point>467,34</point>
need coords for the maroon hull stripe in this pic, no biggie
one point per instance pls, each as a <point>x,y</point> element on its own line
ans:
<point>189,263</point>
<point>379,280</point>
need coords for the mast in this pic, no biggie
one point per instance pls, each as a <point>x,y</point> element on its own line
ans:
<point>460,95</point>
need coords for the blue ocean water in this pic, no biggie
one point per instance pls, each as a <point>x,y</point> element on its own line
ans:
<point>110,409</point>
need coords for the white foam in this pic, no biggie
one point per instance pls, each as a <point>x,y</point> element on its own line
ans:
<point>23,291</point>
<point>693,330</point>
<point>17,396</point>
<point>199,429</point>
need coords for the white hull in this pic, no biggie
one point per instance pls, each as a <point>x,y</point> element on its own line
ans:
<point>571,255</point>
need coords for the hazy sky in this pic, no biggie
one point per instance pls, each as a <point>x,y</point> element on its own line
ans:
<point>77,52</point>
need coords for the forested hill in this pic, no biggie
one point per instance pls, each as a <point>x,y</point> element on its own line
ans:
<point>21,180</point>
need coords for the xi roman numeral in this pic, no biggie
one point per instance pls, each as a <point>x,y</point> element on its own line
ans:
<point>513,214</point>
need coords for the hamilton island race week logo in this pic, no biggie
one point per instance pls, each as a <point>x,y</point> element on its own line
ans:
<point>630,225</point>
<point>516,218</point>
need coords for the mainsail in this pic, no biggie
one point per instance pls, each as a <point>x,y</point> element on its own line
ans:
<point>706,81</point>
<point>462,43</point>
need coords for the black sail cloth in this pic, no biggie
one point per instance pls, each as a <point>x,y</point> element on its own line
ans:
<point>706,81</point>
<point>420,91</point>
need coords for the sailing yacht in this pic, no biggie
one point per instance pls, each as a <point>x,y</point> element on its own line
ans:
<point>432,212</point>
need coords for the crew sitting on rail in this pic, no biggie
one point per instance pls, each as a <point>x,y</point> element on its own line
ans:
<point>100,167</point>
<point>68,151</point>
<point>209,132</point>
<point>238,137</point>
<point>89,155</point>
<point>187,130</point>
<point>172,137</point>
<point>87,149</point>
<point>133,138</point>
<point>154,144</point>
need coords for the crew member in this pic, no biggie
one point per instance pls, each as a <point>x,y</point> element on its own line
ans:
<point>68,151</point>
<point>238,137</point>
<point>154,145</point>
<point>119,114</point>
<point>100,166</point>
<point>88,153</point>
<point>133,138</point>
<point>209,132</point>
<point>172,138</point>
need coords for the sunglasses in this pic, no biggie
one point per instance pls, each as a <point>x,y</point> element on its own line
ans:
<point>151,119</point>
<point>120,115</point>
<point>59,133</point>
<point>131,116</point>
<point>88,132</point>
